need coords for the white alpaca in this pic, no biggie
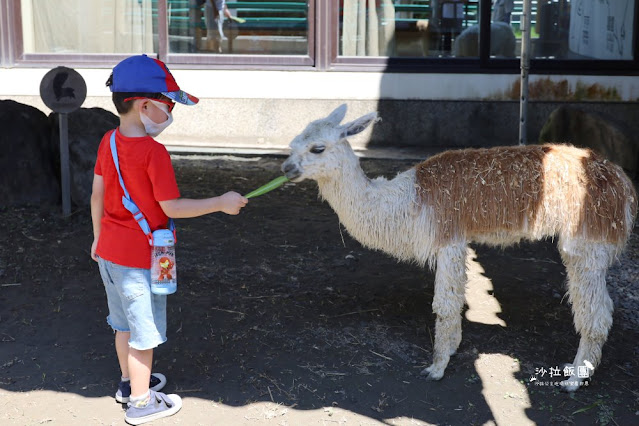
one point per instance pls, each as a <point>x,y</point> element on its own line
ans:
<point>498,196</point>
<point>502,41</point>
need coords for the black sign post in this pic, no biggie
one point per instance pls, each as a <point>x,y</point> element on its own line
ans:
<point>63,90</point>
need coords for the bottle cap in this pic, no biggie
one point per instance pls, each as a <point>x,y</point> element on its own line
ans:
<point>163,237</point>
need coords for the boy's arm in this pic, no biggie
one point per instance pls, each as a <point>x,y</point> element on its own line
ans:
<point>229,203</point>
<point>97,210</point>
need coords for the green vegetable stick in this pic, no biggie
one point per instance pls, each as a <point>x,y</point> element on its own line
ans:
<point>275,183</point>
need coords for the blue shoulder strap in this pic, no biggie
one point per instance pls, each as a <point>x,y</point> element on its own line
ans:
<point>128,203</point>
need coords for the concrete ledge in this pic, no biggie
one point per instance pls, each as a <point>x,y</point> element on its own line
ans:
<point>269,125</point>
<point>380,153</point>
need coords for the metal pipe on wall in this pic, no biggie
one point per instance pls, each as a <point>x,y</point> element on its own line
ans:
<point>525,67</point>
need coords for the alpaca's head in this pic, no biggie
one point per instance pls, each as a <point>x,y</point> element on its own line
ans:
<point>319,150</point>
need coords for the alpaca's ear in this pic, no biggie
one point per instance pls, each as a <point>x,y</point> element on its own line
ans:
<point>338,115</point>
<point>359,125</point>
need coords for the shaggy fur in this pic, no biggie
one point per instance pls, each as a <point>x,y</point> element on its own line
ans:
<point>533,191</point>
<point>429,213</point>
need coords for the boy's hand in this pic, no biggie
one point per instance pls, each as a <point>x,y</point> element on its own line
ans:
<point>232,202</point>
<point>93,247</point>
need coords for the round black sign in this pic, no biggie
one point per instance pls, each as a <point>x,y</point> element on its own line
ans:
<point>63,89</point>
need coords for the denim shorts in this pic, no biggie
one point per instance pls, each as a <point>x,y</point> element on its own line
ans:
<point>132,306</point>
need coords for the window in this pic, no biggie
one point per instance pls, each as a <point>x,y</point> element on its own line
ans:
<point>586,29</point>
<point>251,32</point>
<point>246,34</point>
<point>468,36</point>
<point>419,28</point>
<point>434,28</point>
<point>87,26</point>
<point>238,27</point>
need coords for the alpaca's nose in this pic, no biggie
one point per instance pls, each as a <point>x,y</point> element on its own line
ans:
<point>290,170</point>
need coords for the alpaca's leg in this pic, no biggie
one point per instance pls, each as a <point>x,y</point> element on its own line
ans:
<point>591,306</point>
<point>448,301</point>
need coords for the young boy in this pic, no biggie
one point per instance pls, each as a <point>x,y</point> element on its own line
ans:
<point>144,92</point>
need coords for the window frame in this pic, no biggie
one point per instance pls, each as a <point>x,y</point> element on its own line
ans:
<point>15,50</point>
<point>18,58</point>
<point>234,61</point>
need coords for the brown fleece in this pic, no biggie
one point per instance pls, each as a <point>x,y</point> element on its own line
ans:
<point>549,189</point>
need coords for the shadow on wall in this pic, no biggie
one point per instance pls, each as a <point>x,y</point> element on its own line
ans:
<point>607,126</point>
<point>600,132</point>
<point>441,124</point>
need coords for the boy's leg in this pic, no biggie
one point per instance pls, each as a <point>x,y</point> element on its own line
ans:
<point>122,349</point>
<point>139,364</point>
<point>156,381</point>
<point>146,316</point>
<point>133,307</point>
<point>138,318</point>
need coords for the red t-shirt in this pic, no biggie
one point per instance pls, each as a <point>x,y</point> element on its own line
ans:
<point>148,175</point>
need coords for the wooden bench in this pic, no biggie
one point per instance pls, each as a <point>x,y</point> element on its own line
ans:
<point>271,16</point>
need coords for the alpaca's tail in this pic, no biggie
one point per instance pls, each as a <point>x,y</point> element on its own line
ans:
<point>631,206</point>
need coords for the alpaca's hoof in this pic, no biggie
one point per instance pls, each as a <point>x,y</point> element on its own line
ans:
<point>432,375</point>
<point>574,382</point>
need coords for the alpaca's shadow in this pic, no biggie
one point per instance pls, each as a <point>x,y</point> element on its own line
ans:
<point>522,359</point>
<point>514,324</point>
<point>517,292</point>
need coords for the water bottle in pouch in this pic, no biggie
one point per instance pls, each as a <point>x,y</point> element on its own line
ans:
<point>163,274</point>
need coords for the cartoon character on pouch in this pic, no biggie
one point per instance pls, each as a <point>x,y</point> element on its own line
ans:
<point>165,269</point>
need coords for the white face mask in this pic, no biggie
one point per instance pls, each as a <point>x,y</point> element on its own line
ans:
<point>152,128</point>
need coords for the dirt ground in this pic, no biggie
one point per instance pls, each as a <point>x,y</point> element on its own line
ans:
<point>282,319</point>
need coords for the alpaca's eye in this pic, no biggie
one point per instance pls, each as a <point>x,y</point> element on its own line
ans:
<point>318,149</point>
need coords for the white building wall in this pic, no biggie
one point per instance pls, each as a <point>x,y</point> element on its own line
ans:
<point>266,109</point>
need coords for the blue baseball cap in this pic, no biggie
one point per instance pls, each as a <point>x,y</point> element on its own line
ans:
<point>143,74</point>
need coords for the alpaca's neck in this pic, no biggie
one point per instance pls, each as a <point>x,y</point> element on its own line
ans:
<point>375,212</point>
<point>346,189</point>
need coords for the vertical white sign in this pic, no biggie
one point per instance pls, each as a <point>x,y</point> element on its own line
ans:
<point>602,29</point>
